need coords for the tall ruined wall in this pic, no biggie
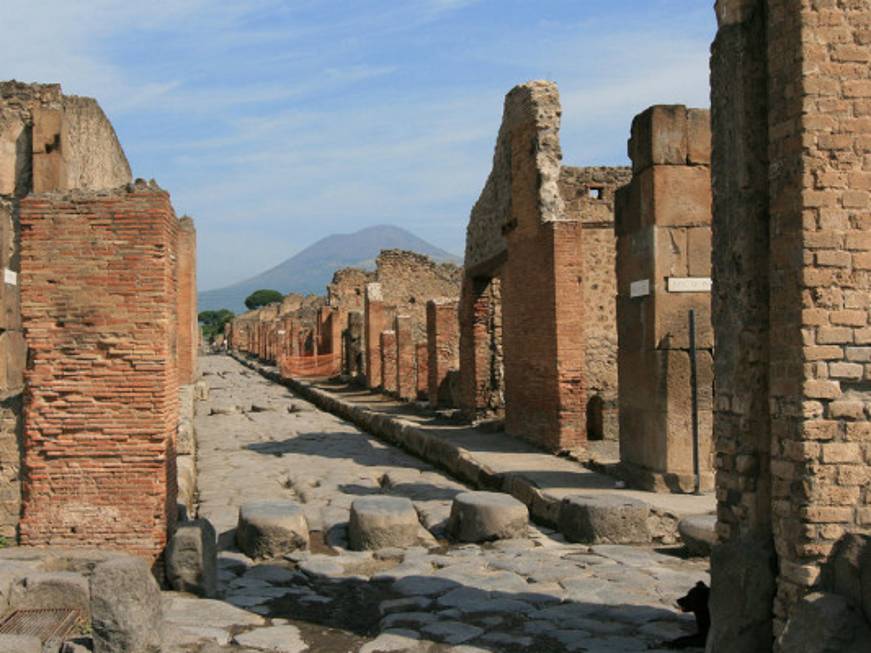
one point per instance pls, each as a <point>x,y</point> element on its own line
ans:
<point>347,290</point>
<point>791,253</point>
<point>48,141</point>
<point>588,196</point>
<point>188,326</point>
<point>408,280</point>
<point>102,403</point>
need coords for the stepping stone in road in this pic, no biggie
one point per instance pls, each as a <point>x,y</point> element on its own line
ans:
<point>699,533</point>
<point>604,519</point>
<point>378,522</point>
<point>269,529</point>
<point>487,516</point>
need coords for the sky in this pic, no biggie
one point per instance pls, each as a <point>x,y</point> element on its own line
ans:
<point>274,123</point>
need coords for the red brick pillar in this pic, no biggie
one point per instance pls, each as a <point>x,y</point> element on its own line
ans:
<point>336,339</point>
<point>663,272</point>
<point>421,359</point>
<point>388,361</point>
<point>443,347</point>
<point>188,326</point>
<point>474,316</point>
<point>102,401</point>
<point>406,386</point>
<point>373,325</point>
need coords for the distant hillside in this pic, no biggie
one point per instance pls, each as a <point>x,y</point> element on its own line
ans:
<point>312,269</point>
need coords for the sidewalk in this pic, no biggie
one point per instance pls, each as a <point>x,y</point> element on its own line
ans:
<point>488,461</point>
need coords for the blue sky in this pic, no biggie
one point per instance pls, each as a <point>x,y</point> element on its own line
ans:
<point>277,122</point>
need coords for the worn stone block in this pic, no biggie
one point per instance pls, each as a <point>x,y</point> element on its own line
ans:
<point>604,519</point>
<point>191,558</point>
<point>825,623</point>
<point>659,137</point>
<point>487,516</point>
<point>126,610</point>
<point>378,522</point>
<point>268,529</point>
<point>61,589</point>
<point>674,195</point>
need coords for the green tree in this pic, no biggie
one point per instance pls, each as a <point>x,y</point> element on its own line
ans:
<point>261,298</point>
<point>213,322</point>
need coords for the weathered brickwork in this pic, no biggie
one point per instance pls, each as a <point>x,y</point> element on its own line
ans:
<point>48,141</point>
<point>528,229</point>
<point>791,425</point>
<point>188,327</point>
<point>374,322</point>
<point>588,195</point>
<point>353,342</point>
<point>101,409</point>
<point>443,348</point>
<point>421,369</point>
<point>482,371</point>
<point>664,240</point>
<point>388,361</point>
<point>406,380</point>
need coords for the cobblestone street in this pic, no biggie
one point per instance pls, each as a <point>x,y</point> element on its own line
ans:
<point>539,593</point>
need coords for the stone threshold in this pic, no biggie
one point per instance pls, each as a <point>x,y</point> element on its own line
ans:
<point>487,461</point>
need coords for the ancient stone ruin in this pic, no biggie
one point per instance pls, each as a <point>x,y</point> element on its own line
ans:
<point>691,333</point>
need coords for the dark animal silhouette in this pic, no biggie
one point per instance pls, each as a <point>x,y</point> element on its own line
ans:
<point>695,601</point>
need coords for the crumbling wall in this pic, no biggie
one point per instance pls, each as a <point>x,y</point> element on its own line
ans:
<point>188,326</point>
<point>48,141</point>
<point>791,83</point>
<point>98,307</point>
<point>588,196</point>
<point>443,348</point>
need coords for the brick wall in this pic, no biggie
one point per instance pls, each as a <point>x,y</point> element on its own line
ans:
<point>98,307</point>
<point>388,360</point>
<point>481,359</point>
<point>374,322</point>
<point>443,348</point>
<point>406,383</point>
<point>421,369</point>
<point>664,237</point>
<point>791,83</point>
<point>588,196</point>
<point>188,326</point>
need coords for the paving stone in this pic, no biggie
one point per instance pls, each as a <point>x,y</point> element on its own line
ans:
<point>408,619</point>
<point>487,516</point>
<point>698,533</point>
<point>604,518</point>
<point>382,521</point>
<point>189,611</point>
<point>409,604</point>
<point>452,632</point>
<point>59,589</point>
<point>269,529</point>
<point>274,639</point>
<point>20,644</point>
<point>182,636</point>
<point>397,641</point>
<point>423,586</point>
<point>271,574</point>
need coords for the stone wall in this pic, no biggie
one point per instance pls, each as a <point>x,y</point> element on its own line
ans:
<point>102,404</point>
<point>588,196</point>
<point>791,261</point>
<point>443,348</point>
<point>663,272</point>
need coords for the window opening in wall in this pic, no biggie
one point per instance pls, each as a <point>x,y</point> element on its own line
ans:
<point>596,193</point>
<point>595,418</point>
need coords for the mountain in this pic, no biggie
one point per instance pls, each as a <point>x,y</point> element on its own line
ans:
<point>312,269</point>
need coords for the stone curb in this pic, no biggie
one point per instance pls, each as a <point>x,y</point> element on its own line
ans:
<point>544,509</point>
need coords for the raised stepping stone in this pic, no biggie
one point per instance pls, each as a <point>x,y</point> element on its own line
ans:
<point>487,516</point>
<point>126,609</point>
<point>192,558</point>
<point>699,533</point>
<point>604,519</point>
<point>381,521</point>
<point>269,529</point>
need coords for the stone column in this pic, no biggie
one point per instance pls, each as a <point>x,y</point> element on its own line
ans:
<point>663,272</point>
<point>442,330</point>
<point>475,355</point>
<point>406,386</point>
<point>388,361</point>
<point>374,323</point>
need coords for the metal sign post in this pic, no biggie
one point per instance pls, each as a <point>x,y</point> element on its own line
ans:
<point>694,391</point>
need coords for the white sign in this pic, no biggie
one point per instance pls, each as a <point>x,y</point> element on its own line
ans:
<point>639,288</point>
<point>689,284</point>
<point>281,332</point>
<point>10,277</point>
